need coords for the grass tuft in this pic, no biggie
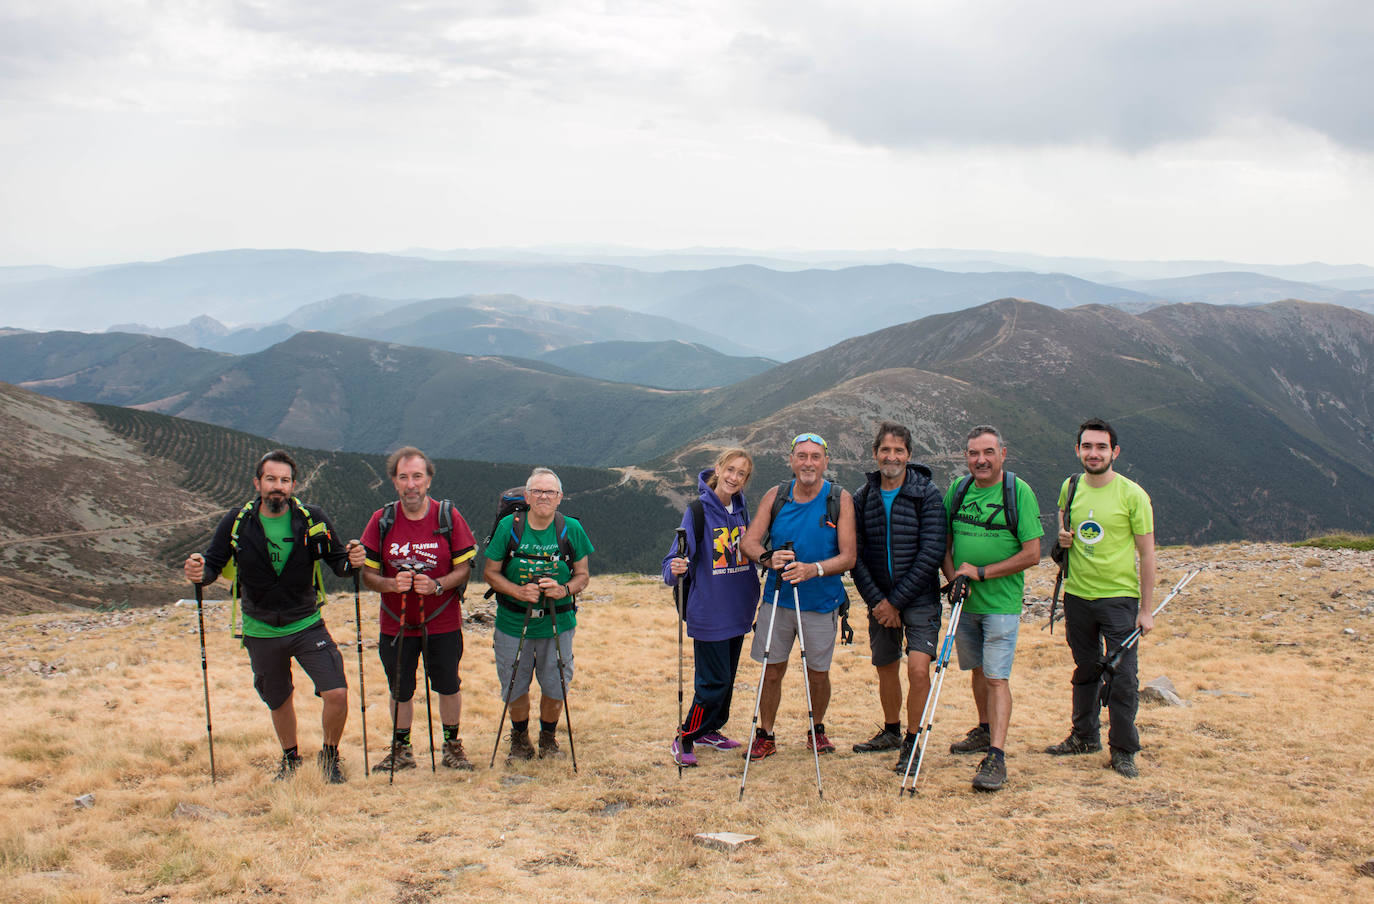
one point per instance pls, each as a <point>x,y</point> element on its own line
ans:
<point>1358,542</point>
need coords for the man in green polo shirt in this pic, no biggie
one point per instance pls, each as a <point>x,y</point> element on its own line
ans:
<point>993,554</point>
<point>274,542</point>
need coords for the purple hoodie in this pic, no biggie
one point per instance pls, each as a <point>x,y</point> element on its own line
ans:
<point>723,589</point>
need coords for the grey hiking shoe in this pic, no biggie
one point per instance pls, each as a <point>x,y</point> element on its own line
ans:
<point>548,745</point>
<point>329,765</point>
<point>1124,764</point>
<point>1073,744</point>
<point>455,757</point>
<point>520,746</point>
<point>978,740</point>
<point>883,740</point>
<point>403,754</point>
<point>992,773</point>
<point>290,762</point>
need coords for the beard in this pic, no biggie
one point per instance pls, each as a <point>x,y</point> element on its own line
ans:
<point>275,502</point>
<point>1099,468</point>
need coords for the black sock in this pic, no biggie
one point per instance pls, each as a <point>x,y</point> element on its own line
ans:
<point>892,727</point>
<point>330,750</point>
<point>820,728</point>
<point>997,752</point>
<point>400,737</point>
<point>291,753</point>
<point>520,726</point>
<point>910,737</point>
<point>450,733</point>
<point>549,727</point>
<point>983,726</point>
<point>767,735</point>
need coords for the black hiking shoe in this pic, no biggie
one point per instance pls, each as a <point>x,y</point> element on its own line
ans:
<point>329,765</point>
<point>520,746</point>
<point>548,745</point>
<point>1124,764</point>
<point>883,740</point>
<point>1073,745</point>
<point>992,773</point>
<point>290,762</point>
<point>908,743</point>
<point>978,740</point>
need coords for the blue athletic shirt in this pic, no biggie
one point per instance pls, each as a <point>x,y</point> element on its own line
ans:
<point>813,540</point>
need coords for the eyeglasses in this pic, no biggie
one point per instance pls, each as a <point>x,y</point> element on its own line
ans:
<point>543,494</point>
<point>809,438</point>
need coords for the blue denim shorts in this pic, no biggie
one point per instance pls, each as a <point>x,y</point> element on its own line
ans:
<point>987,640</point>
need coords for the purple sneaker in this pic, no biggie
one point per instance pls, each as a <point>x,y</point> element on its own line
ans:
<point>682,757</point>
<point>719,741</point>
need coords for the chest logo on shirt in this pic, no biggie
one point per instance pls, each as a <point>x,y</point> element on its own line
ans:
<point>1090,532</point>
<point>726,547</point>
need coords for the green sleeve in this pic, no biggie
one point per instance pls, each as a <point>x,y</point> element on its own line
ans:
<point>578,540</point>
<point>1142,511</point>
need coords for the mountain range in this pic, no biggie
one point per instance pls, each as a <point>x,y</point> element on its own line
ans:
<point>1273,402</point>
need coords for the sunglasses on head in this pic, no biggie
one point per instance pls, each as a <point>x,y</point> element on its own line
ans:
<point>809,438</point>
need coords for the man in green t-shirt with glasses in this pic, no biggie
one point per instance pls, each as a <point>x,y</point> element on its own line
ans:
<point>274,543</point>
<point>993,553</point>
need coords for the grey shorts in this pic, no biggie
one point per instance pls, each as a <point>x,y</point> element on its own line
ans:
<point>538,658</point>
<point>818,636</point>
<point>920,629</point>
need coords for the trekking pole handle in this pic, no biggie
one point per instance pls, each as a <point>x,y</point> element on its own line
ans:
<point>681,551</point>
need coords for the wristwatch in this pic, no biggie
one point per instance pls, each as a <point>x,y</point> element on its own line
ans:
<point>438,588</point>
<point>981,575</point>
<point>820,572</point>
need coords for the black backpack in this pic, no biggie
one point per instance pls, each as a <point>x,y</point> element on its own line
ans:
<point>1008,505</point>
<point>1058,554</point>
<point>388,520</point>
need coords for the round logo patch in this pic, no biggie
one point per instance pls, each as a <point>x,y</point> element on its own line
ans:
<point>1090,532</point>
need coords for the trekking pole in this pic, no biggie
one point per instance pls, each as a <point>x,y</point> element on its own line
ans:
<point>429,713</point>
<point>362,685</point>
<point>562,682</point>
<point>1110,664</point>
<point>510,685</point>
<point>205,679</point>
<point>758,695</point>
<point>806,681</point>
<point>681,618</point>
<point>958,592</point>
<point>395,686</point>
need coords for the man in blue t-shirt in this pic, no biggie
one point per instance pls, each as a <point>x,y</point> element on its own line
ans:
<point>806,578</point>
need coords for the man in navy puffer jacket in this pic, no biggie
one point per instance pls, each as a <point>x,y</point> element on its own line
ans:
<point>900,524</point>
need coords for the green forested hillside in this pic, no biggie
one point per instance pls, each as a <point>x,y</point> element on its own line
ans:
<point>623,522</point>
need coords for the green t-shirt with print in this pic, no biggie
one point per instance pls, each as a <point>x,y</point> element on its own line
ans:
<point>280,542</point>
<point>977,544</point>
<point>1105,522</point>
<point>521,567</point>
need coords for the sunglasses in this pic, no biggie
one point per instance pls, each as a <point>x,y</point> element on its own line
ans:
<point>809,438</point>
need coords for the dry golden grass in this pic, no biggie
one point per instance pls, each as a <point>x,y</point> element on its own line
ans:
<point>1258,791</point>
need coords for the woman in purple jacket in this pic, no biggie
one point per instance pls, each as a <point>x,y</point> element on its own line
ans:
<point>721,588</point>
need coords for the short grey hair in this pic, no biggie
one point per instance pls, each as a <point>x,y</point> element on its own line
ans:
<point>542,472</point>
<point>982,429</point>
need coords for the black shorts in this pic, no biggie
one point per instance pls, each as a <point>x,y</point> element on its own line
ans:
<point>920,629</point>
<point>445,652</point>
<point>313,648</point>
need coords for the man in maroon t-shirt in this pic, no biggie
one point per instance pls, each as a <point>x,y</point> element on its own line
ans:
<point>420,573</point>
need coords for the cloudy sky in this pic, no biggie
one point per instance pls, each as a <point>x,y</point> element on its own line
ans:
<point>141,129</point>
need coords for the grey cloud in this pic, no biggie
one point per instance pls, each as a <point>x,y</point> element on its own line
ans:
<point>1080,73</point>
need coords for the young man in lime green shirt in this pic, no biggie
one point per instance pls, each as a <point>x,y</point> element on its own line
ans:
<point>1110,524</point>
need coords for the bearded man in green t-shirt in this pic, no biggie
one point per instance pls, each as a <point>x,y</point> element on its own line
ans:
<point>535,583</point>
<point>1110,523</point>
<point>275,542</point>
<point>985,547</point>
